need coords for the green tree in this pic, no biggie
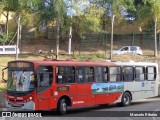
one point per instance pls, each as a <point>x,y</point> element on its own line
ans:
<point>115,9</point>
<point>86,18</point>
<point>4,38</point>
<point>22,9</point>
<point>52,12</point>
<point>70,28</point>
<point>154,6</point>
<point>6,6</point>
<point>60,12</point>
<point>143,19</point>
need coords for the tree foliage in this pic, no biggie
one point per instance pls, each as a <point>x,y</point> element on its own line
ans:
<point>88,15</point>
<point>6,38</point>
<point>86,18</point>
<point>154,7</point>
<point>23,8</point>
<point>116,10</point>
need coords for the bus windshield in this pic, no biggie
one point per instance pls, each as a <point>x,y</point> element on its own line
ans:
<point>21,80</point>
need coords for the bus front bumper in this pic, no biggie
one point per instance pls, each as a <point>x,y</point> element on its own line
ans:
<point>22,106</point>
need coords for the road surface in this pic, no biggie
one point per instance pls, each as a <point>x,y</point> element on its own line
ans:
<point>139,109</point>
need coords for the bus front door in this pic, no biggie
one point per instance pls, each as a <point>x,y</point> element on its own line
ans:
<point>44,76</point>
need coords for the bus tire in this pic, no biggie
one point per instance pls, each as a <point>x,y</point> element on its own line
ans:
<point>126,99</point>
<point>62,106</point>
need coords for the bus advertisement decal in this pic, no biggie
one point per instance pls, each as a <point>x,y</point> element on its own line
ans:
<point>104,88</point>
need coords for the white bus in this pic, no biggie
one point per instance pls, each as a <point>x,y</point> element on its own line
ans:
<point>141,79</point>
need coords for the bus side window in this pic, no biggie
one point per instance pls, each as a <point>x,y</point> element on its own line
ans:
<point>85,74</point>
<point>89,73</point>
<point>80,74</point>
<point>44,78</point>
<point>59,75</point>
<point>139,73</point>
<point>115,74</point>
<point>98,74</point>
<point>71,75</point>
<point>101,74</point>
<point>127,73</point>
<point>151,73</point>
<point>65,74</point>
<point>105,74</point>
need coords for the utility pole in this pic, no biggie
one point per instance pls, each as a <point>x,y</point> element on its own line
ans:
<point>155,36</point>
<point>112,22</point>
<point>70,32</point>
<point>18,35</point>
<point>57,40</point>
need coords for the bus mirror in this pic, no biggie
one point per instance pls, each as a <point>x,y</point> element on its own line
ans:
<point>3,74</point>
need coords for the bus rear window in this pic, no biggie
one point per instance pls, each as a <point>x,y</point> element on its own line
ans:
<point>151,73</point>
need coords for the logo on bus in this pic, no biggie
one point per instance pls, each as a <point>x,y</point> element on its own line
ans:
<point>78,102</point>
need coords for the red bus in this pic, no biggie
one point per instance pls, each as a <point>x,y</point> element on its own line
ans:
<point>49,84</point>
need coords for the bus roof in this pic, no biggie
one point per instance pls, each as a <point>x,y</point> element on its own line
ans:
<point>136,63</point>
<point>86,63</point>
<point>68,63</point>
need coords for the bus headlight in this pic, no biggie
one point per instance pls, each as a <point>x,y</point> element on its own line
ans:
<point>30,98</point>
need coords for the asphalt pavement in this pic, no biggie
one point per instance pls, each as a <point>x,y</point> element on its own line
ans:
<point>145,109</point>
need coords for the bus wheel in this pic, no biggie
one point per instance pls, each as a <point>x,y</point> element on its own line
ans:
<point>62,106</point>
<point>126,99</point>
